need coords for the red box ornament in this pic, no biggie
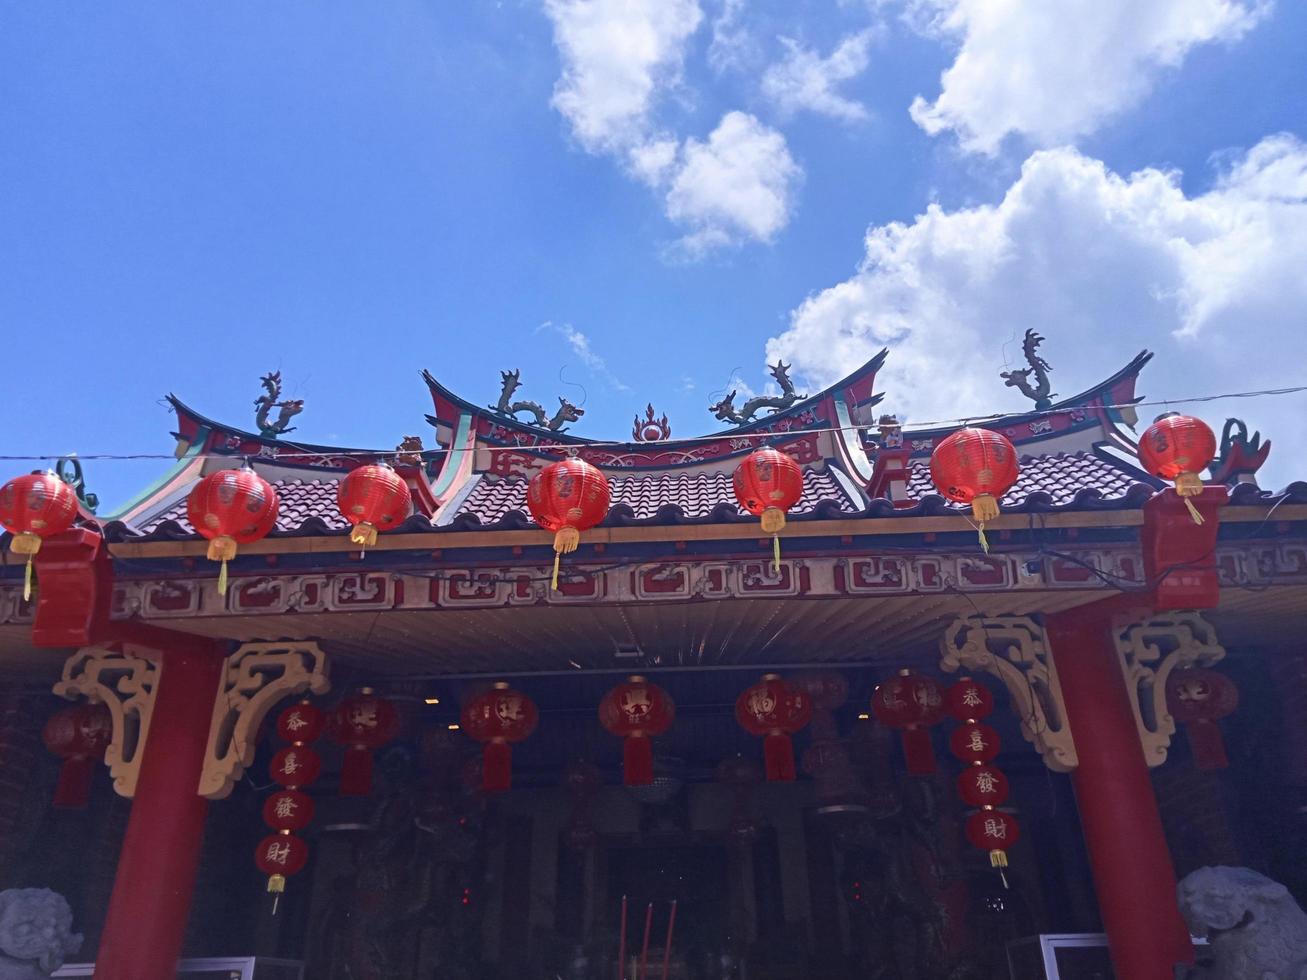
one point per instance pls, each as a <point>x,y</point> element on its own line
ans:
<point>911,703</point>
<point>635,711</point>
<point>568,497</point>
<point>497,718</point>
<point>78,735</point>
<point>363,724</point>
<point>775,710</point>
<point>231,508</point>
<point>34,507</point>
<point>976,467</point>
<point>373,498</point>
<point>768,483</point>
<point>1199,698</point>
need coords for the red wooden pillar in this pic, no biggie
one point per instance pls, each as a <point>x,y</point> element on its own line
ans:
<point>1132,868</point>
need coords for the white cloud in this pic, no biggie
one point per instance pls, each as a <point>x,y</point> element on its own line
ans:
<point>1102,265</point>
<point>806,80</point>
<point>580,345</point>
<point>732,47</point>
<point>1055,71</point>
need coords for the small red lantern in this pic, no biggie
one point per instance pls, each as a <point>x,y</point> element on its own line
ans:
<point>767,484</point>
<point>78,735</point>
<point>975,742</point>
<point>301,722</point>
<point>993,831</point>
<point>34,507</point>
<point>288,809</point>
<point>969,700</point>
<point>295,765</point>
<point>775,710</point>
<point>1179,447</point>
<point>635,711</point>
<point>976,467</point>
<point>279,856</point>
<point>362,724</point>
<point>568,497</point>
<point>373,498</point>
<point>231,508</point>
<point>1199,698</point>
<point>499,717</point>
<point>980,785</point>
<point>911,703</point>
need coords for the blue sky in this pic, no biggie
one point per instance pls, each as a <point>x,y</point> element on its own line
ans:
<point>636,200</point>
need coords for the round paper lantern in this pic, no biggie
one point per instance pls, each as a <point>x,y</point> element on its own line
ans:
<point>568,497</point>
<point>1199,698</point>
<point>295,766</point>
<point>981,785</point>
<point>362,724</point>
<point>911,703</point>
<point>78,735</point>
<point>993,831</point>
<point>288,809</point>
<point>969,700</point>
<point>34,507</point>
<point>279,856</point>
<point>976,467</point>
<point>373,498</point>
<point>231,508</point>
<point>635,711</point>
<point>975,742</point>
<point>767,484</point>
<point>498,717</point>
<point>775,710</point>
<point>1179,447</point>
<point>301,722</point>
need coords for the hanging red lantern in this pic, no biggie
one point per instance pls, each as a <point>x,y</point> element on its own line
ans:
<point>911,703</point>
<point>295,765</point>
<point>1179,447</point>
<point>568,497</point>
<point>767,484</point>
<point>231,508</point>
<point>78,735</point>
<point>279,856</point>
<point>288,809</point>
<point>974,742</point>
<point>1199,698</point>
<point>981,785</point>
<point>969,700</point>
<point>301,723</point>
<point>34,507</point>
<point>498,717</point>
<point>774,709</point>
<point>993,831</point>
<point>976,467</point>
<point>373,498</point>
<point>636,711</point>
<point>363,724</point>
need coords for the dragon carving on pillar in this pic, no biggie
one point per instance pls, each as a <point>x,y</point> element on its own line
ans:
<point>725,410</point>
<point>1041,392</point>
<point>512,380</point>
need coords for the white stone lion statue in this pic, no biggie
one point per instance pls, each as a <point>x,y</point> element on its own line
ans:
<point>36,933</point>
<point>1254,928</point>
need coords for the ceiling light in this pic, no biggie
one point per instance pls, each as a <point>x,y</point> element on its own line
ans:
<point>432,700</point>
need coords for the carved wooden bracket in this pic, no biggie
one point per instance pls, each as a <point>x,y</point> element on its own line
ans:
<point>1013,649</point>
<point>254,678</point>
<point>124,683</point>
<point>1149,651</point>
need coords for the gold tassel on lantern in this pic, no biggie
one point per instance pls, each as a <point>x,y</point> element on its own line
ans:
<point>222,549</point>
<point>363,534</point>
<point>27,544</point>
<point>1190,485</point>
<point>773,522</point>
<point>984,508</point>
<point>998,859</point>
<point>566,541</point>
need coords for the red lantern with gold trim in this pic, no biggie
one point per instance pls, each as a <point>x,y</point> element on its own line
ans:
<point>301,722</point>
<point>363,724</point>
<point>498,717</point>
<point>768,483</point>
<point>976,467</point>
<point>568,497</point>
<point>995,832</point>
<point>1179,447</point>
<point>635,711</point>
<point>981,785</point>
<point>295,765</point>
<point>231,508</point>
<point>373,498</point>
<point>1199,698</point>
<point>911,703</point>
<point>34,507</point>
<point>279,856</point>
<point>288,809</point>
<point>78,735</point>
<point>774,709</point>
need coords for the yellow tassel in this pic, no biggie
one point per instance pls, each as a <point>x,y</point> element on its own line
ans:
<point>566,540</point>
<point>277,883</point>
<point>1193,511</point>
<point>1190,485</point>
<point>984,541</point>
<point>773,520</point>
<point>554,582</point>
<point>998,859</point>
<point>364,534</point>
<point>984,508</point>
<point>776,555</point>
<point>222,578</point>
<point>27,580</point>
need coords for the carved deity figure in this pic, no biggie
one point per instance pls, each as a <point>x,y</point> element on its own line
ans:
<point>1254,928</point>
<point>36,933</point>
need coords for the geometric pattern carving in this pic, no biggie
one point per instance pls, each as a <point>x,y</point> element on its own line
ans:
<point>1148,652</point>
<point>1014,650</point>
<point>254,678</point>
<point>124,683</point>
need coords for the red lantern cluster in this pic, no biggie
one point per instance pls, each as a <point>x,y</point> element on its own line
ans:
<point>767,484</point>
<point>281,854</point>
<point>32,508</point>
<point>498,717</point>
<point>1179,447</point>
<point>231,508</point>
<point>981,785</point>
<point>635,711</point>
<point>373,498</point>
<point>78,735</point>
<point>976,467</point>
<point>568,497</point>
<point>775,710</point>
<point>1199,698</point>
<point>911,703</point>
<point>362,724</point>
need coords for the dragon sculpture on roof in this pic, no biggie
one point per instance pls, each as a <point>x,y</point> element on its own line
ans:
<point>725,410</point>
<point>266,402</point>
<point>1041,393</point>
<point>512,380</point>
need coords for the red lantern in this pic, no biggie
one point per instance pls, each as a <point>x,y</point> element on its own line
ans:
<point>969,700</point>
<point>295,765</point>
<point>499,717</point>
<point>373,498</point>
<point>775,710</point>
<point>301,723</point>
<point>911,703</point>
<point>767,484</point>
<point>279,856</point>
<point>231,508</point>
<point>34,507</point>
<point>980,786</point>
<point>78,735</point>
<point>1179,447</point>
<point>974,742</point>
<point>635,711</point>
<point>288,809</point>
<point>976,467</point>
<point>993,831</point>
<point>1198,698</point>
<point>568,497</point>
<point>362,724</point>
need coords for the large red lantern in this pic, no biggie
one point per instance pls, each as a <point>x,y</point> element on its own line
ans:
<point>362,724</point>
<point>498,717</point>
<point>911,703</point>
<point>373,498</point>
<point>775,710</point>
<point>976,467</point>
<point>1179,447</point>
<point>78,735</point>
<point>1199,698</point>
<point>635,711</point>
<point>767,484</point>
<point>568,497</point>
<point>231,508</point>
<point>32,508</point>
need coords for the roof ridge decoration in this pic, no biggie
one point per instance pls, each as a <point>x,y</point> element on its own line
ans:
<point>724,410</point>
<point>1041,394</point>
<point>265,403</point>
<point>511,381</point>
